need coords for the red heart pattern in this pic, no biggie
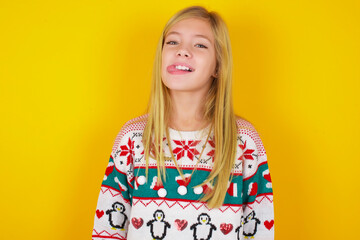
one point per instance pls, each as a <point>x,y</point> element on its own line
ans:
<point>269,224</point>
<point>137,222</point>
<point>226,228</point>
<point>180,224</point>
<point>99,213</point>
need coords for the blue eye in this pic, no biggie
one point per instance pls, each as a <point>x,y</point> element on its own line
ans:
<point>171,42</point>
<point>174,43</point>
<point>202,46</point>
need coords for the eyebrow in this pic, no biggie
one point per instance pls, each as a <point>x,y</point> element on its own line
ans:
<point>196,35</point>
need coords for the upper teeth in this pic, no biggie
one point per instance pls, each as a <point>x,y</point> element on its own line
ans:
<point>182,67</point>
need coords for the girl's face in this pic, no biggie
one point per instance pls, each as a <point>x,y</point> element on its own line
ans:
<point>188,56</point>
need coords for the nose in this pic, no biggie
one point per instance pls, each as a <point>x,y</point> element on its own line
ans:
<point>183,52</point>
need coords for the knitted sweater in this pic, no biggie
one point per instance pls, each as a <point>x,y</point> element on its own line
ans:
<point>131,207</point>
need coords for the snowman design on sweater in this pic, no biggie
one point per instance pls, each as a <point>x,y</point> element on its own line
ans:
<point>172,209</point>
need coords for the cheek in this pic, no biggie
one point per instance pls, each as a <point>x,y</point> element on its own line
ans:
<point>164,61</point>
<point>166,53</point>
<point>213,62</point>
<point>209,63</point>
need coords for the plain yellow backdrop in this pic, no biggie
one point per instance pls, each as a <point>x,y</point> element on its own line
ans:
<point>72,72</point>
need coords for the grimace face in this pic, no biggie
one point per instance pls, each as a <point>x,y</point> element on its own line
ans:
<point>188,56</point>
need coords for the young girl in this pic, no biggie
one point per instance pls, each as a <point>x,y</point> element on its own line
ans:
<point>188,168</point>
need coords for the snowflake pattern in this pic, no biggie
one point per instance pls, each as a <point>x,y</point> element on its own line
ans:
<point>128,151</point>
<point>182,148</point>
<point>211,153</point>
<point>247,153</point>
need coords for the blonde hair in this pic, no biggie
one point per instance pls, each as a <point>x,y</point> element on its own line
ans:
<point>218,108</point>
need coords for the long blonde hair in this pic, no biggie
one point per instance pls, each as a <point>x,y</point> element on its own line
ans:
<point>218,108</point>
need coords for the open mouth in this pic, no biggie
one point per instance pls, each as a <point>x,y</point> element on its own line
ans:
<point>184,68</point>
<point>179,69</point>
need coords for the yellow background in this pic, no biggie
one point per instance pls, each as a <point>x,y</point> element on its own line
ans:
<point>72,72</point>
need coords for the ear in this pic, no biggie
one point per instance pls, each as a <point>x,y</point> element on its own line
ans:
<point>215,74</point>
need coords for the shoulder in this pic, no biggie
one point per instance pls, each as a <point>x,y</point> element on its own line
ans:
<point>249,136</point>
<point>133,125</point>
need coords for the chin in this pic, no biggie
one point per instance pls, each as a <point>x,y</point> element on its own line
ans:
<point>177,87</point>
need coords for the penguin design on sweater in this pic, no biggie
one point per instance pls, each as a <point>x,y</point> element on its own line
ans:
<point>158,225</point>
<point>250,225</point>
<point>202,230</point>
<point>239,229</point>
<point>117,217</point>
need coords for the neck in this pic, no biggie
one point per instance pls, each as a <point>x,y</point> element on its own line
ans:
<point>187,112</point>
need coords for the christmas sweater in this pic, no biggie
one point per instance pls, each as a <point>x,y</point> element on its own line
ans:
<point>131,206</point>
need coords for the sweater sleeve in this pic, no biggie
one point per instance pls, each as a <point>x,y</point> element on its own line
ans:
<point>114,201</point>
<point>258,208</point>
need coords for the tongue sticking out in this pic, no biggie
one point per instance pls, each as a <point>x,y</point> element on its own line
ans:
<point>172,69</point>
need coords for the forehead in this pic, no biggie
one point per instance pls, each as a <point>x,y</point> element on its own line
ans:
<point>192,27</point>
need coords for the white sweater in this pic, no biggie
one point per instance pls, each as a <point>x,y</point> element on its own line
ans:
<point>129,207</point>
